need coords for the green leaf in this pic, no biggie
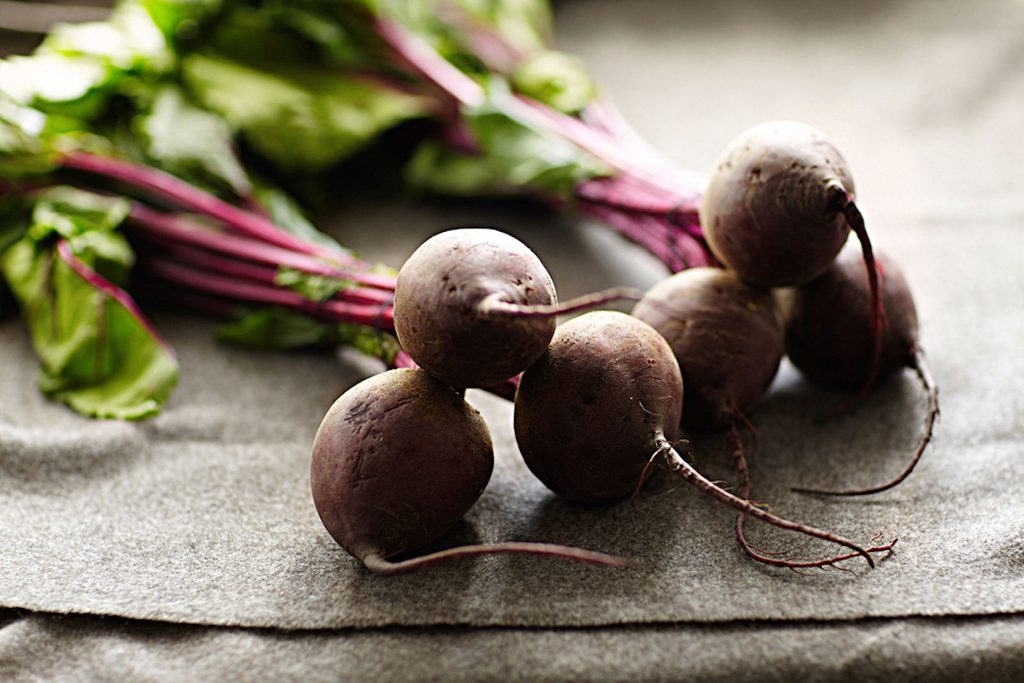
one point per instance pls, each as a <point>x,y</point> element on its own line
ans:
<point>56,83</point>
<point>190,142</point>
<point>15,217</point>
<point>439,169</point>
<point>368,341</point>
<point>281,329</point>
<point>313,287</point>
<point>180,19</point>
<point>557,79</point>
<point>526,25</point>
<point>514,156</point>
<point>22,151</point>
<point>129,40</point>
<point>277,31</point>
<point>68,211</point>
<point>276,329</point>
<point>96,355</point>
<point>299,117</point>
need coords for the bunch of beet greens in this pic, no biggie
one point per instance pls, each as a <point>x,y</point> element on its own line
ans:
<point>146,154</point>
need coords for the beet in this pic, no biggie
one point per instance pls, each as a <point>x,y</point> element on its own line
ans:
<point>602,418</point>
<point>827,338</point>
<point>397,461</point>
<point>474,306</point>
<point>828,324</point>
<point>602,404</point>
<point>726,335</point>
<point>442,299</point>
<point>773,209</point>
<point>779,207</point>
<point>728,339</point>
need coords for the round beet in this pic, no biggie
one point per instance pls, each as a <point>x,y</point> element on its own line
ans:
<point>726,335</point>
<point>603,418</point>
<point>397,461</point>
<point>445,316</point>
<point>828,341</point>
<point>828,323</point>
<point>779,207</point>
<point>773,209</point>
<point>602,404</point>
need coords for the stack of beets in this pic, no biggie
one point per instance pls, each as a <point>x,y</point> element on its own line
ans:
<point>401,457</point>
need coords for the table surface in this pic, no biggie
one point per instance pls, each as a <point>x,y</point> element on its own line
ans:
<point>185,546</point>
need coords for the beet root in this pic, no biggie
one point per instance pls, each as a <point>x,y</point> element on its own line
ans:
<point>397,461</point>
<point>725,334</point>
<point>602,404</point>
<point>779,207</point>
<point>827,339</point>
<point>444,299</point>
<point>728,339</point>
<point>828,321</point>
<point>773,206</point>
<point>601,417</point>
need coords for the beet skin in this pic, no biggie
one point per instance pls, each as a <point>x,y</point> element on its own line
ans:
<point>726,335</point>
<point>590,412</point>
<point>397,461</point>
<point>773,209</point>
<point>440,307</point>
<point>828,333</point>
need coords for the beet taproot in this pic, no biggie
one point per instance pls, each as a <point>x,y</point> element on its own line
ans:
<point>726,335</point>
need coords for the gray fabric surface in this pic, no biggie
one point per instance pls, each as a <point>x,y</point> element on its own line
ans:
<point>203,514</point>
<point>930,651</point>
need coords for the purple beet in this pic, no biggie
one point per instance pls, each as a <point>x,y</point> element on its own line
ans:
<point>827,338</point>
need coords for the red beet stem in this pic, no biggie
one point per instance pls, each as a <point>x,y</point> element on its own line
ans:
<point>213,262</point>
<point>668,240</point>
<point>856,221</point>
<point>191,197</point>
<point>384,567</point>
<point>494,305</point>
<point>379,317</point>
<point>186,231</point>
<point>423,59</point>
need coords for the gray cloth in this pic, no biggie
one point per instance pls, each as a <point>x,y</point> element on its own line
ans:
<point>203,515</point>
<point>41,647</point>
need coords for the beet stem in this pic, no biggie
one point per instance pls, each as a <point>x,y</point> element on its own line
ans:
<point>384,567</point>
<point>743,490</point>
<point>189,196</point>
<point>376,316</point>
<point>179,229</point>
<point>495,305</point>
<point>676,463</point>
<point>920,367</point>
